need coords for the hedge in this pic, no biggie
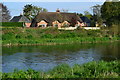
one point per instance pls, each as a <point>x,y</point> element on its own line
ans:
<point>12,24</point>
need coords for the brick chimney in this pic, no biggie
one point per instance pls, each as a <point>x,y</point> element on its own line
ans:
<point>21,14</point>
<point>57,10</point>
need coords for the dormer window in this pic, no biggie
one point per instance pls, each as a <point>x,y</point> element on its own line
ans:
<point>42,23</point>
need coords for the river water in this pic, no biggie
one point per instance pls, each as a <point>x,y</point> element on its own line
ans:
<point>44,57</point>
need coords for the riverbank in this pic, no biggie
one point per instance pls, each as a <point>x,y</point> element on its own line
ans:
<point>53,36</point>
<point>58,41</point>
<point>100,69</point>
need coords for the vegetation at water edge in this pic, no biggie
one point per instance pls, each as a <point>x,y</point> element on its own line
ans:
<point>34,36</point>
<point>100,69</point>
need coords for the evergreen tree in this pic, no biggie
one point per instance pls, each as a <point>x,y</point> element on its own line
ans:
<point>4,13</point>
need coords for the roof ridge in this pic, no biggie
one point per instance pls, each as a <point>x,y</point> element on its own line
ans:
<point>58,12</point>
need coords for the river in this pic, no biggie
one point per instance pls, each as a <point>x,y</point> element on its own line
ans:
<point>47,57</point>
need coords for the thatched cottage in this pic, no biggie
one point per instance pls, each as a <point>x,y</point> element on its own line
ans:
<point>56,19</point>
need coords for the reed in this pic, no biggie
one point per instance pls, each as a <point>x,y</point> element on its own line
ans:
<point>100,69</point>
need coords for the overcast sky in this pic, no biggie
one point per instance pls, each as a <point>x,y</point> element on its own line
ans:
<point>79,7</point>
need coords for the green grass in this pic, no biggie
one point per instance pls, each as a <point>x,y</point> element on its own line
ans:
<point>93,69</point>
<point>48,41</point>
<point>33,36</point>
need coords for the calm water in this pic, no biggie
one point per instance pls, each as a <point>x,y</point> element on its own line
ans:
<point>46,57</point>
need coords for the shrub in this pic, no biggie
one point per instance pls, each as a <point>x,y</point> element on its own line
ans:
<point>18,36</point>
<point>8,36</point>
<point>46,36</point>
<point>60,36</point>
<point>99,69</point>
<point>12,24</point>
<point>29,36</point>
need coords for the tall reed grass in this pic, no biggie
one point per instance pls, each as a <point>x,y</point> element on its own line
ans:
<point>100,69</point>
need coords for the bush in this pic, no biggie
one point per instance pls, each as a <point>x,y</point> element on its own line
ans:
<point>100,69</point>
<point>8,36</point>
<point>46,36</point>
<point>60,36</point>
<point>18,36</point>
<point>29,36</point>
<point>12,24</point>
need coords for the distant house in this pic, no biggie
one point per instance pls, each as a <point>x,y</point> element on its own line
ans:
<point>21,18</point>
<point>56,19</point>
<point>86,21</point>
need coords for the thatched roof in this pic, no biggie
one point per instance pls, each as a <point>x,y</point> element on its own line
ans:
<point>50,17</point>
<point>20,18</point>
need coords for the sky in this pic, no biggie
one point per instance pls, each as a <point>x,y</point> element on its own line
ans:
<point>16,8</point>
<point>52,0</point>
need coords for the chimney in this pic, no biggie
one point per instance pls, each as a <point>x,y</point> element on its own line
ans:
<point>21,14</point>
<point>57,10</point>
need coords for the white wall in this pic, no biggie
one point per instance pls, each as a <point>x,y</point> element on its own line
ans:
<point>92,28</point>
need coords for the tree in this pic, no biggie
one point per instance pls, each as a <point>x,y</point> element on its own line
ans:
<point>112,0</point>
<point>5,13</point>
<point>91,17</point>
<point>30,11</point>
<point>110,11</point>
<point>87,14</point>
<point>115,0</point>
<point>80,14</point>
<point>97,14</point>
<point>97,10</point>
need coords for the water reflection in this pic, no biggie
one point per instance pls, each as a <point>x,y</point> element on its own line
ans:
<point>46,57</point>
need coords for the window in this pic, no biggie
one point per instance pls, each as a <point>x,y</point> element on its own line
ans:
<point>55,25</point>
<point>65,25</point>
<point>42,25</point>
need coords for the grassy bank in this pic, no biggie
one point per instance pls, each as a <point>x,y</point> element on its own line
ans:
<point>48,36</point>
<point>93,69</point>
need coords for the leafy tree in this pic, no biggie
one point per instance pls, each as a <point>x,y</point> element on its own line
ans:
<point>30,11</point>
<point>91,17</point>
<point>110,11</point>
<point>87,14</point>
<point>112,0</point>
<point>115,0</point>
<point>27,11</point>
<point>97,10</point>
<point>80,14</point>
<point>5,13</point>
<point>97,14</point>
